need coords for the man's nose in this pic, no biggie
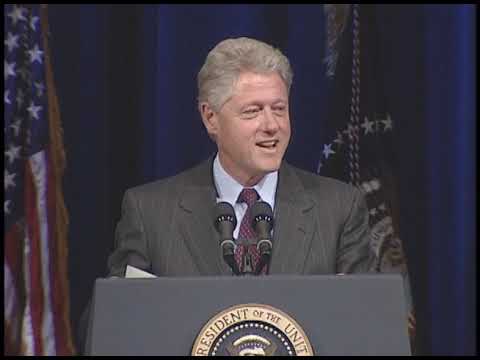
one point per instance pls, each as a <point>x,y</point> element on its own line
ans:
<point>270,122</point>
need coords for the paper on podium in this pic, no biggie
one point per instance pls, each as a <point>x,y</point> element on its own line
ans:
<point>133,272</point>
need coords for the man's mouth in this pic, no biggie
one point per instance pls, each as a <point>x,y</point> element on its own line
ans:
<point>270,144</point>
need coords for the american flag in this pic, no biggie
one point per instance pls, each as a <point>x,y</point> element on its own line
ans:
<point>36,300</point>
<point>360,128</point>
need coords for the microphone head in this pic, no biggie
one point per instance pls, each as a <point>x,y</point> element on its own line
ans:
<point>262,211</point>
<point>225,222</point>
<point>224,212</point>
<point>262,222</point>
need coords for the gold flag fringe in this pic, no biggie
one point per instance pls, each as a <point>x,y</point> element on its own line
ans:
<point>57,152</point>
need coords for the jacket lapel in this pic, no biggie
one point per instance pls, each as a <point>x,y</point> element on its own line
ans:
<point>197,211</point>
<point>293,226</point>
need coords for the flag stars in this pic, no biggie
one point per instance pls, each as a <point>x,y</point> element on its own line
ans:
<point>40,88</point>
<point>339,139</point>
<point>368,126</point>
<point>13,153</point>
<point>33,22</point>
<point>11,41</point>
<point>387,123</point>
<point>6,206</point>
<point>35,54</point>
<point>8,178</point>
<point>6,99</point>
<point>8,70</point>
<point>327,150</point>
<point>16,126</point>
<point>17,14</point>
<point>33,110</point>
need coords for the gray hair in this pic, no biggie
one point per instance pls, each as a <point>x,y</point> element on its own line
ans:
<point>225,62</point>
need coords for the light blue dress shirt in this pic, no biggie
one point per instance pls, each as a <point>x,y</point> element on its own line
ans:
<point>228,190</point>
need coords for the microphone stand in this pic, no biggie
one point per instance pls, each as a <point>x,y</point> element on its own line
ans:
<point>247,264</point>
<point>247,267</point>
<point>264,248</point>
<point>262,262</point>
<point>229,258</point>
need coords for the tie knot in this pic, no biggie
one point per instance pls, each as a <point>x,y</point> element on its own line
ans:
<point>249,196</point>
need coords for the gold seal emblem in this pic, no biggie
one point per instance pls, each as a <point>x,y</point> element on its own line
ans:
<point>251,330</point>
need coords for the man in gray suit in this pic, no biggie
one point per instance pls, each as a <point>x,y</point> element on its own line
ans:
<point>167,227</point>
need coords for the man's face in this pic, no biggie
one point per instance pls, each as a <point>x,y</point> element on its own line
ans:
<point>252,129</point>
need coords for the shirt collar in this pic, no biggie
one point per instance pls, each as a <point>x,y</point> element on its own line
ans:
<point>228,188</point>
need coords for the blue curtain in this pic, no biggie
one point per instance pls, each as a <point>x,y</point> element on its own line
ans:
<point>126,79</point>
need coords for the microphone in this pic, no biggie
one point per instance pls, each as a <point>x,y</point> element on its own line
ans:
<point>262,222</point>
<point>225,222</point>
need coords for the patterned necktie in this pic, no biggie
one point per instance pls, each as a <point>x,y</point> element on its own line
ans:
<point>248,196</point>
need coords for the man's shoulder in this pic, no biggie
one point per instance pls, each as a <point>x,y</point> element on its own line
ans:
<point>315,182</point>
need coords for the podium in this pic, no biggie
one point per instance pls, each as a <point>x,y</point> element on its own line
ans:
<point>363,314</point>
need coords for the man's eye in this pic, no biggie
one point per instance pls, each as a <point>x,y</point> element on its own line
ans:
<point>250,112</point>
<point>279,108</point>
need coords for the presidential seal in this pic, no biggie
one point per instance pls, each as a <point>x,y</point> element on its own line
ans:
<point>251,330</point>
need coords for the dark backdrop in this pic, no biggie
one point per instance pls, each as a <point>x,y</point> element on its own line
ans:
<point>126,75</point>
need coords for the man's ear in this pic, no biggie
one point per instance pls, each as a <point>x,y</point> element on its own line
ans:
<point>209,118</point>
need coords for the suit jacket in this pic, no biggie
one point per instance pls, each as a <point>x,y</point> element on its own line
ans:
<point>167,227</point>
